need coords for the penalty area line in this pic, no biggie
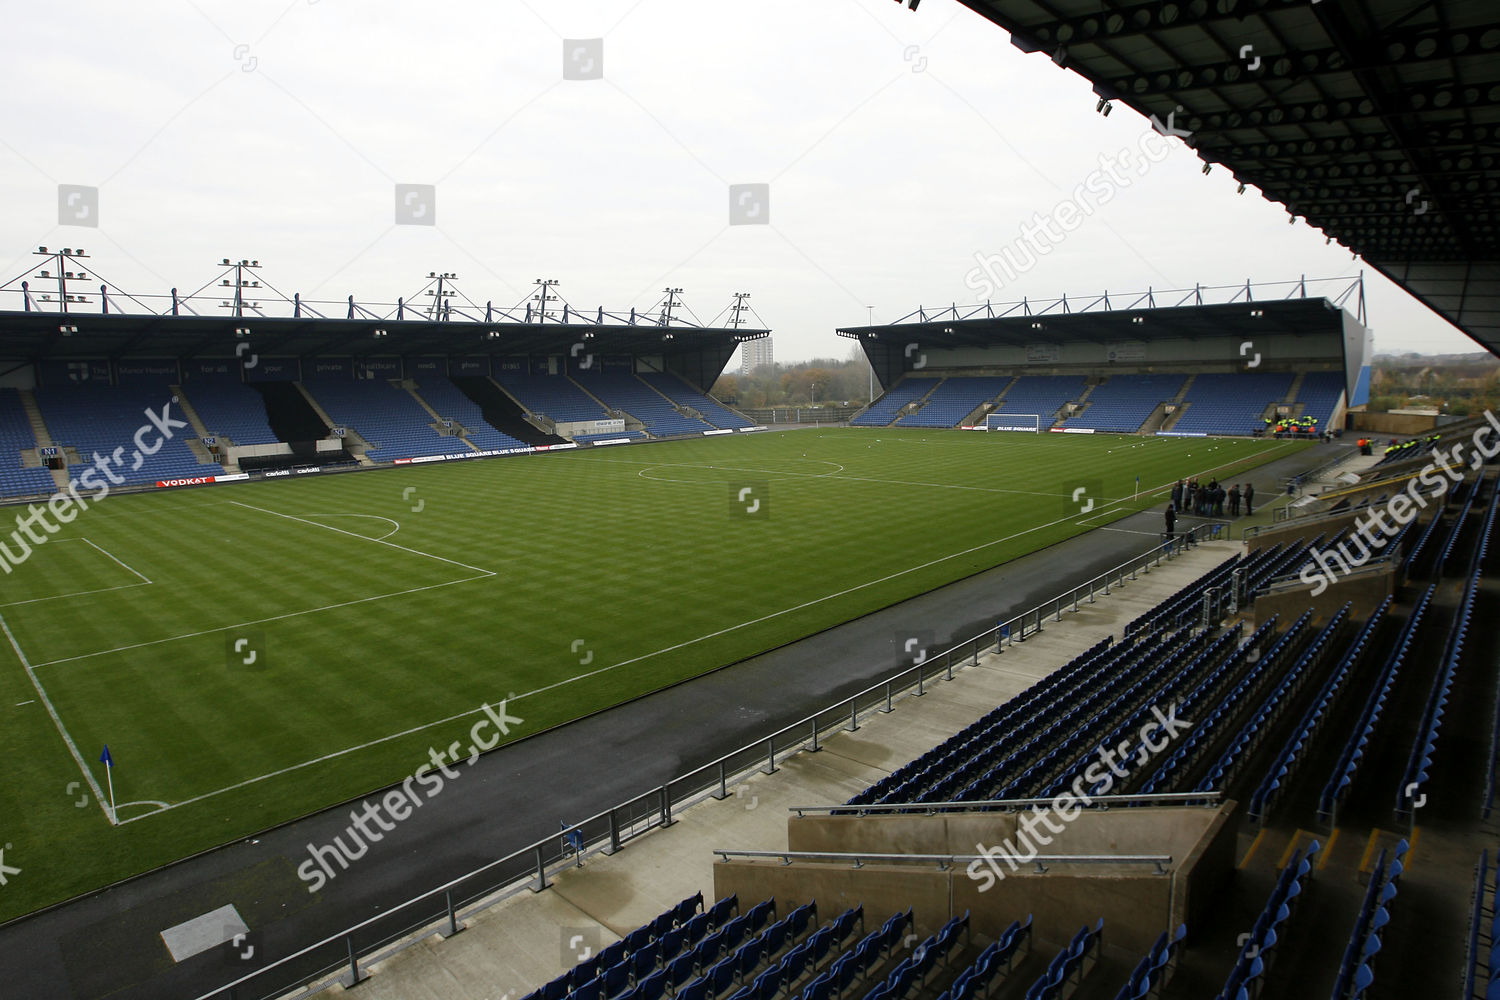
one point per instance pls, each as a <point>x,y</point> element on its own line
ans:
<point>363,538</point>
<point>262,621</point>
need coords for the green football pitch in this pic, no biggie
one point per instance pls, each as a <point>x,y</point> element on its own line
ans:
<point>256,652</point>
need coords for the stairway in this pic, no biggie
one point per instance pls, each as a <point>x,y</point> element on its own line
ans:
<point>607,408</point>
<point>316,406</point>
<point>1186,387</point>
<point>1296,389</point>
<point>34,415</point>
<point>411,387</point>
<point>186,408</point>
<point>503,411</point>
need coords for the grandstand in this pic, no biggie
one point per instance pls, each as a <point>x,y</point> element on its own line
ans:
<point>684,395</point>
<point>89,419</point>
<point>1123,403</point>
<point>16,437</point>
<point>451,404</point>
<point>658,415</point>
<point>234,410</point>
<point>557,398</point>
<point>1149,369</point>
<point>889,406</point>
<point>1232,403</point>
<point>386,416</point>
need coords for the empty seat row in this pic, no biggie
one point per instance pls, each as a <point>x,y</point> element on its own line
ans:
<point>231,409</point>
<point>1155,969</point>
<point>99,419</point>
<point>852,963</point>
<point>994,964</point>
<point>1258,945</point>
<point>1281,769</point>
<point>1206,704</point>
<point>1444,564</point>
<point>1356,969</point>
<point>1414,558</point>
<point>1480,972</point>
<point>1069,966</point>
<point>1320,394</point>
<point>1420,760</point>
<point>1043,395</point>
<point>884,410</point>
<point>980,736</point>
<point>627,392</point>
<point>1186,671</point>
<point>1280,694</point>
<point>1346,767</point>
<point>954,399</point>
<point>452,404</point>
<point>1232,402</point>
<point>1081,726</point>
<point>554,396</point>
<point>1122,403</point>
<point>682,394</point>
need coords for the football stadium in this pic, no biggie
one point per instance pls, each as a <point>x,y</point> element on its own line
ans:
<point>429,647</point>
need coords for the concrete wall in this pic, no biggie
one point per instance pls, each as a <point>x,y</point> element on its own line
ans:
<point>1392,423</point>
<point>1211,861</point>
<point>1161,830</point>
<point>1365,588</point>
<point>1136,903</point>
<point>944,833</point>
<point>1136,907</point>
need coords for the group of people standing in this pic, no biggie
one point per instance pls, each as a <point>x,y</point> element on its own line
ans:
<point>1208,500</point>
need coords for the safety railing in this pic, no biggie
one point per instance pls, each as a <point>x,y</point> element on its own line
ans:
<point>443,909</point>
<point>944,862</point>
<point>1101,802</point>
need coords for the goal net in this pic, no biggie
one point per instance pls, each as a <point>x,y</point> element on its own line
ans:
<point>1024,422</point>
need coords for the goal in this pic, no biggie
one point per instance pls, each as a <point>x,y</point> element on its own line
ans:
<point>1024,422</point>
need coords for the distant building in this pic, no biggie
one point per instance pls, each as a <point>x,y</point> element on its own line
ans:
<point>755,354</point>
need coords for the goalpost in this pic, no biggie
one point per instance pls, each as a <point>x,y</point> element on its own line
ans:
<point>1021,422</point>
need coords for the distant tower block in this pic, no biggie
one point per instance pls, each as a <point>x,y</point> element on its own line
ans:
<point>754,354</point>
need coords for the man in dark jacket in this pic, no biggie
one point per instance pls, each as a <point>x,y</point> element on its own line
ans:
<point>1171,517</point>
<point>1249,494</point>
<point>1234,500</point>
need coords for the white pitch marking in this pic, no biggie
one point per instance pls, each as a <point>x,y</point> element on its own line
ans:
<point>376,517</point>
<point>57,720</point>
<point>315,760</point>
<point>295,614</point>
<point>76,593</point>
<point>263,621</point>
<point>80,593</point>
<point>117,561</point>
<point>367,538</point>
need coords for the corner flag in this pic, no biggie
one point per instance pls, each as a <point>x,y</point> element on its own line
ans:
<point>109,771</point>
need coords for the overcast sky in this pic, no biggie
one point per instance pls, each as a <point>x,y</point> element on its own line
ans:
<point>899,148</point>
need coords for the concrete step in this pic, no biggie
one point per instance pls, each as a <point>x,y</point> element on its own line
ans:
<point>34,415</point>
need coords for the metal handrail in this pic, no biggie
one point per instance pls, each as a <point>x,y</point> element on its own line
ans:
<point>1101,801</point>
<point>659,812</point>
<point>946,861</point>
